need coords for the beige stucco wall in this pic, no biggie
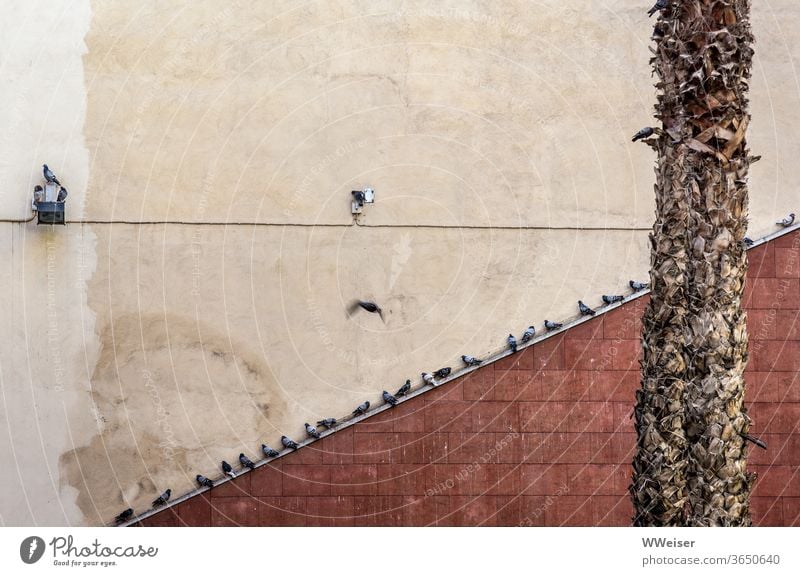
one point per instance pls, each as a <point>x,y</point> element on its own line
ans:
<point>494,134</point>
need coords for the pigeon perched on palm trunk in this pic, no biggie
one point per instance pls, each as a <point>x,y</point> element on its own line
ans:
<point>49,176</point>
<point>227,469</point>
<point>512,342</point>
<point>327,422</point>
<point>203,481</point>
<point>361,408</point>
<point>124,516</point>
<point>311,431</point>
<point>552,325</point>
<point>660,5</point>
<point>529,333</point>
<point>612,299</point>
<point>643,134</point>
<point>269,452</point>
<point>289,443</point>
<point>370,307</point>
<point>442,373</point>
<point>404,389</point>
<point>786,222</point>
<point>246,462</point>
<point>163,499</point>
<point>471,360</point>
<point>389,399</point>
<point>585,310</point>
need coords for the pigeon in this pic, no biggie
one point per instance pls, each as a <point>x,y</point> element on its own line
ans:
<point>226,468</point>
<point>748,241</point>
<point>404,389</point>
<point>246,462</point>
<point>637,286</point>
<point>361,408</point>
<point>552,325</point>
<point>442,373</point>
<point>289,443</point>
<point>358,196</point>
<point>269,452</point>
<point>528,335</point>
<point>38,194</point>
<point>370,307</point>
<point>327,422</point>
<point>471,360</point>
<point>585,310</point>
<point>756,441</point>
<point>124,516</point>
<point>786,222</point>
<point>389,399</point>
<point>512,342</point>
<point>428,379</point>
<point>643,133</point>
<point>660,5</point>
<point>611,299</point>
<point>203,481</point>
<point>49,176</point>
<point>62,195</point>
<point>163,499</point>
<point>311,431</point>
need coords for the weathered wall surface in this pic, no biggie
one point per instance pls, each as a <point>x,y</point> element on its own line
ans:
<point>493,134</point>
<point>540,438</point>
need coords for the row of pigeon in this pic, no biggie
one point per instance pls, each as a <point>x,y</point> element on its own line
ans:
<point>428,379</point>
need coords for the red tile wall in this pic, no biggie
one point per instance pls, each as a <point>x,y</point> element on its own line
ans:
<point>541,438</point>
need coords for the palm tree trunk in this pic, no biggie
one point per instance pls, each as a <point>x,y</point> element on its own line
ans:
<point>689,468</point>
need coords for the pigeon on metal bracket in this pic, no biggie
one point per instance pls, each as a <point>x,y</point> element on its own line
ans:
<point>228,469</point>
<point>552,325</point>
<point>442,373</point>
<point>358,196</point>
<point>327,422</point>
<point>361,408</point>
<point>289,443</point>
<point>643,133</point>
<point>786,222</point>
<point>246,462</point>
<point>471,360</point>
<point>269,452</point>
<point>638,286</point>
<point>62,195</point>
<point>203,481</point>
<point>389,399</point>
<point>311,431</point>
<point>529,333</point>
<point>49,176</point>
<point>660,5</point>
<point>370,307</point>
<point>428,379</point>
<point>585,310</point>
<point>404,389</point>
<point>124,516</point>
<point>512,342</point>
<point>163,499</point>
<point>612,299</point>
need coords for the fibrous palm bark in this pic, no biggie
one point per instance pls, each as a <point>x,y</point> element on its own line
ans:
<point>689,467</point>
